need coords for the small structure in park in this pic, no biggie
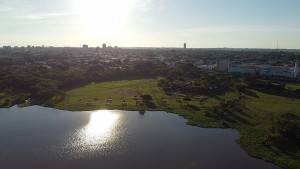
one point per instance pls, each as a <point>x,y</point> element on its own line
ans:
<point>109,100</point>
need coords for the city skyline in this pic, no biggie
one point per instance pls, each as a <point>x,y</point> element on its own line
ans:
<point>151,23</point>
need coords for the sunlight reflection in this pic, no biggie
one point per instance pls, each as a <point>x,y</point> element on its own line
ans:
<point>99,130</point>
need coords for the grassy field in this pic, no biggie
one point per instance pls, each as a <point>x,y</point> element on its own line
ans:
<point>264,104</point>
<point>125,90</point>
<point>263,109</point>
<point>97,95</point>
<point>2,98</point>
<point>292,86</point>
<point>252,117</point>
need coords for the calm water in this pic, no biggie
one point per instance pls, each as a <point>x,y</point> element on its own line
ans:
<point>42,138</point>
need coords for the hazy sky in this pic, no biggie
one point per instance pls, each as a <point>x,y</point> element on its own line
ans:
<point>151,23</point>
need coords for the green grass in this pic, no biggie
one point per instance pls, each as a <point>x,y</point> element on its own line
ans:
<point>263,109</point>
<point>292,86</point>
<point>2,101</point>
<point>266,103</point>
<point>77,99</point>
<point>118,91</point>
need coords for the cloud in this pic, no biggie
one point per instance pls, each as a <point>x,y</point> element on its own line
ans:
<point>145,5</point>
<point>186,34</point>
<point>43,15</point>
<point>223,29</point>
<point>149,5</point>
<point>142,20</point>
<point>6,8</point>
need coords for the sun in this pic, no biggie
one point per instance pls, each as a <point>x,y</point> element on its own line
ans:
<point>104,18</point>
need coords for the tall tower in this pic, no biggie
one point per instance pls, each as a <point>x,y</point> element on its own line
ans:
<point>184,46</point>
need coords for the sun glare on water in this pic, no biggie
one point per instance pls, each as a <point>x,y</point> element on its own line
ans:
<point>104,18</point>
<point>99,133</point>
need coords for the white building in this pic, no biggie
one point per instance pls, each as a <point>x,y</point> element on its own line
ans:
<point>279,71</point>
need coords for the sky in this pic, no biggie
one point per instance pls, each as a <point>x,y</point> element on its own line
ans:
<point>151,23</point>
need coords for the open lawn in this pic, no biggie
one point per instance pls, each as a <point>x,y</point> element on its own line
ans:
<point>111,95</point>
<point>292,86</point>
<point>98,94</point>
<point>265,103</point>
<point>264,109</point>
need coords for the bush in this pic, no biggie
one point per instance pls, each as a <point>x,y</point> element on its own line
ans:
<point>187,99</point>
<point>288,126</point>
<point>146,97</point>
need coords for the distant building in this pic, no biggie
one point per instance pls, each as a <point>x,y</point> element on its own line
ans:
<point>85,47</point>
<point>278,71</point>
<point>97,49</point>
<point>206,67</point>
<point>199,63</point>
<point>223,65</point>
<point>296,70</point>
<point>184,45</point>
<point>104,46</point>
<point>242,69</point>
<point>6,48</point>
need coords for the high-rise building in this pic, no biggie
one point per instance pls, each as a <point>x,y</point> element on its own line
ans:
<point>184,45</point>
<point>104,46</point>
<point>85,47</point>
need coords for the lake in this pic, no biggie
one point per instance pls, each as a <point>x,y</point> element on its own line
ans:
<point>43,138</point>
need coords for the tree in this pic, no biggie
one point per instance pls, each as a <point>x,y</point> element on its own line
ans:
<point>146,98</point>
<point>288,126</point>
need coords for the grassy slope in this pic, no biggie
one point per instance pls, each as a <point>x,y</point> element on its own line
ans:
<point>264,108</point>
<point>256,111</point>
<point>1,98</point>
<point>292,86</point>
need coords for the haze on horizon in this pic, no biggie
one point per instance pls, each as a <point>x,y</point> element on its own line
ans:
<point>151,23</point>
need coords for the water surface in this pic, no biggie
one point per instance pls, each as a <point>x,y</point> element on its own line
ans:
<point>38,137</point>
